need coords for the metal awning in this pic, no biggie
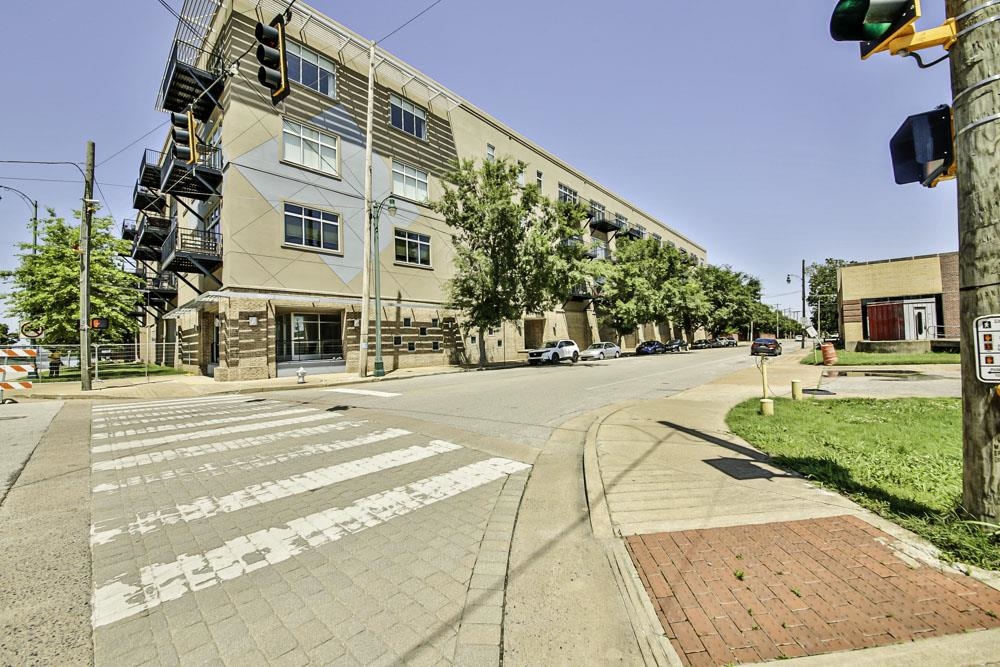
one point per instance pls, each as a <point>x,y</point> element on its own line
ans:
<point>202,300</point>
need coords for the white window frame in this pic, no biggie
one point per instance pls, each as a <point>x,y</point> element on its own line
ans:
<point>414,242</point>
<point>318,141</point>
<point>491,152</point>
<point>538,179</point>
<point>407,107</point>
<point>323,223</point>
<point>407,182</point>
<point>597,211</point>
<point>567,193</point>
<point>305,54</point>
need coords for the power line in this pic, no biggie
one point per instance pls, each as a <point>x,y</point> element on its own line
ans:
<point>418,15</point>
<point>117,153</point>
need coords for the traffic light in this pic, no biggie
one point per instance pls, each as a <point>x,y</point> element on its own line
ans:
<point>922,148</point>
<point>185,141</point>
<point>273,72</point>
<point>874,23</point>
<point>98,323</point>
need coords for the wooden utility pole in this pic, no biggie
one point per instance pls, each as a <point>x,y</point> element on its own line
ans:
<point>975,84</point>
<point>88,209</point>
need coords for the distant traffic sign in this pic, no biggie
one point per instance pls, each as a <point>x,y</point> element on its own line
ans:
<point>31,330</point>
<point>987,335</point>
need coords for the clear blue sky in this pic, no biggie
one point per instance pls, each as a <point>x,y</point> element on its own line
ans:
<point>752,133</point>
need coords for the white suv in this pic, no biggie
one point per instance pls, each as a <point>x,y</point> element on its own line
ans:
<point>555,351</point>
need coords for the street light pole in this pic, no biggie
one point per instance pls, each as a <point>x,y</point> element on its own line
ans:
<point>389,203</point>
<point>367,242</point>
<point>85,222</point>
<point>34,216</point>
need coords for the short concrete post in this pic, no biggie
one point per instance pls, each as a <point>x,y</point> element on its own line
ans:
<point>796,390</point>
<point>767,407</point>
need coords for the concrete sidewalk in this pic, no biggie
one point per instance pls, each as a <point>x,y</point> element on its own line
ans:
<point>734,560</point>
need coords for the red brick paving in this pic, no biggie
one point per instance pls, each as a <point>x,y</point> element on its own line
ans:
<point>763,592</point>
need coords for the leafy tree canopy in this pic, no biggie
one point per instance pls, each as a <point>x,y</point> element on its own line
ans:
<point>823,292</point>
<point>46,284</point>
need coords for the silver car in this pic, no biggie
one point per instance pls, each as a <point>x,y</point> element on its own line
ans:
<point>602,350</point>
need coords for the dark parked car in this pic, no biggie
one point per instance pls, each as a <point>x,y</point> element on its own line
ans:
<point>678,345</point>
<point>726,341</point>
<point>765,346</point>
<point>650,347</point>
<point>701,344</point>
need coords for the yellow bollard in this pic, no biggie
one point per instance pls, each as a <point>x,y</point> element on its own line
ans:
<point>767,407</point>
<point>796,390</point>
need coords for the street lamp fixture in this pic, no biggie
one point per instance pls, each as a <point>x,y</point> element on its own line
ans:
<point>389,204</point>
<point>34,216</point>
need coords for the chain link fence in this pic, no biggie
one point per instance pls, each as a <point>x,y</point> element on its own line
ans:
<point>56,361</point>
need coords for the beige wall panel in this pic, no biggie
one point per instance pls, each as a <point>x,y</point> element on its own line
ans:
<point>886,279</point>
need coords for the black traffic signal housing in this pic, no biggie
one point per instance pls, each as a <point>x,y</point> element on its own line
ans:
<point>922,149</point>
<point>184,138</point>
<point>874,23</point>
<point>273,72</point>
<point>98,323</point>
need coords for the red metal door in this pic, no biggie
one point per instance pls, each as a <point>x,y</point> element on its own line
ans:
<point>885,321</point>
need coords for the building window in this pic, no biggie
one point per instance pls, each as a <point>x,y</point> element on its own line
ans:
<point>491,152</point>
<point>500,342</point>
<point>621,220</point>
<point>538,179</point>
<point>596,211</point>
<point>423,331</point>
<point>397,340</point>
<point>520,178</point>
<point>567,194</point>
<point>407,322</point>
<point>434,322</point>
<point>413,248</point>
<point>409,182</point>
<point>436,345</point>
<point>311,227</point>
<point>310,148</point>
<point>311,69</point>
<point>411,347</point>
<point>406,117</point>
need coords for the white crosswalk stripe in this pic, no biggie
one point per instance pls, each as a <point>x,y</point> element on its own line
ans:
<point>363,392</point>
<point>127,408</point>
<point>217,518</point>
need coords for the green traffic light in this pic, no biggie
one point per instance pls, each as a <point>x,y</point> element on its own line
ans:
<point>852,22</point>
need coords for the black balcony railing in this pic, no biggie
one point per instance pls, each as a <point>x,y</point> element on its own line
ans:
<point>200,180</point>
<point>128,230</point>
<point>145,199</point>
<point>191,251</point>
<point>149,168</point>
<point>193,79</point>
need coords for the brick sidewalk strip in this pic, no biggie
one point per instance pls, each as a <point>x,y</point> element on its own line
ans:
<point>782,590</point>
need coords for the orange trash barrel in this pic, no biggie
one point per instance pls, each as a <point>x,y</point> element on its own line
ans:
<point>829,354</point>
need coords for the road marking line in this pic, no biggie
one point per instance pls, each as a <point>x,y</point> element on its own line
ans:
<point>206,507</point>
<point>147,458</point>
<point>261,460</point>
<point>145,424</point>
<point>364,392</point>
<point>173,426</point>
<point>195,400</point>
<point>121,597</point>
<point>239,428</point>
<point>146,416</point>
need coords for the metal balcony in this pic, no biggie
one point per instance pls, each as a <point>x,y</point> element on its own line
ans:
<point>191,251</point>
<point>603,223</point>
<point>636,232</point>
<point>201,180</point>
<point>161,288</point>
<point>145,199</point>
<point>193,78</point>
<point>154,227</point>
<point>598,251</point>
<point>128,230</point>
<point>581,292</point>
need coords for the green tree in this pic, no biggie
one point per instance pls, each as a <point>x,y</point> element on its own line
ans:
<point>510,257</point>
<point>46,284</point>
<point>6,337</point>
<point>822,294</point>
<point>692,310</point>
<point>645,283</point>
<point>731,296</point>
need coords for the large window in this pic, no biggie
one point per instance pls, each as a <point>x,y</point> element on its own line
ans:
<point>413,248</point>
<point>311,228</point>
<point>309,148</point>
<point>567,194</point>
<point>407,117</point>
<point>311,69</point>
<point>409,182</point>
<point>596,211</point>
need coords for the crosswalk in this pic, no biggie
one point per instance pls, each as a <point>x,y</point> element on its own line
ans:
<point>192,494</point>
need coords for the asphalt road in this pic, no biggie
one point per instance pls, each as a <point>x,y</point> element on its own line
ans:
<point>526,404</point>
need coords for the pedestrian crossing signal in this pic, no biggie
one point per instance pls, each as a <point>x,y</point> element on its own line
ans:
<point>922,149</point>
<point>98,323</point>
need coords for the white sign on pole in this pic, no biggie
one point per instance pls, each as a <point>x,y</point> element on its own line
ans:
<point>812,333</point>
<point>987,336</point>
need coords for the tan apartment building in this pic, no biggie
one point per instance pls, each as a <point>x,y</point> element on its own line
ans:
<point>904,299</point>
<point>254,255</point>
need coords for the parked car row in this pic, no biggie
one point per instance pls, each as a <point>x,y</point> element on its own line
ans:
<point>554,351</point>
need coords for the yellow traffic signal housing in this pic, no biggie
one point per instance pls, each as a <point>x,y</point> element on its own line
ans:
<point>185,140</point>
<point>887,25</point>
<point>271,54</point>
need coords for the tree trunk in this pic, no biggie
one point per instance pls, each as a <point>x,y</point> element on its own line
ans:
<point>482,347</point>
<point>975,57</point>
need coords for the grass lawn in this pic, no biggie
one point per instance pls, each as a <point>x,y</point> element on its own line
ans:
<point>845,358</point>
<point>900,458</point>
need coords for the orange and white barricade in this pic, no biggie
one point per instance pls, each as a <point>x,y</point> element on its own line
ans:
<point>9,371</point>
